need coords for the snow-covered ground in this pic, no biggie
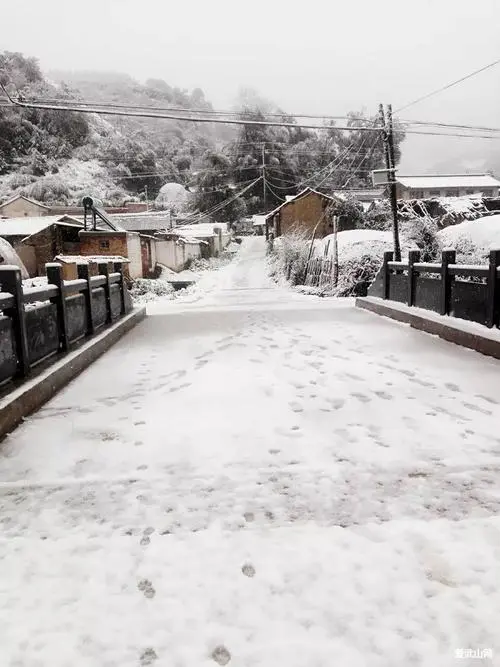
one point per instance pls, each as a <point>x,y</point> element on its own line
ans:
<point>483,232</point>
<point>257,478</point>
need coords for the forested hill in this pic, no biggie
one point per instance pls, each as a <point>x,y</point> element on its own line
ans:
<point>59,156</point>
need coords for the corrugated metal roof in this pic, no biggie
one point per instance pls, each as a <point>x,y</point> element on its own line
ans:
<point>27,226</point>
<point>449,181</point>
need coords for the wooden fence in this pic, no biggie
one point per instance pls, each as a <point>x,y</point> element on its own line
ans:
<point>466,291</point>
<point>38,323</point>
<point>320,273</point>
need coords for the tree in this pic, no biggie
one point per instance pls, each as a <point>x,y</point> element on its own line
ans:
<point>259,146</point>
<point>213,188</point>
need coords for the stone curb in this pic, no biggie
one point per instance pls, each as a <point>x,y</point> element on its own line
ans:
<point>32,394</point>
<point>467,334</point>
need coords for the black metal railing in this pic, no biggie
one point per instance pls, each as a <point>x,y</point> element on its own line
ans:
<point>38,323</point>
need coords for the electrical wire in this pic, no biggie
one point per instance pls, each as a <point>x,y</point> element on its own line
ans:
<point>449,85</point>
<point>274,193</point>
<point>218,207</point>
<point>146,113</point>
<point>214,112</point>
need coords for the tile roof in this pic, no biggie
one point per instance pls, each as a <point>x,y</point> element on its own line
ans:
<point>138,222</point>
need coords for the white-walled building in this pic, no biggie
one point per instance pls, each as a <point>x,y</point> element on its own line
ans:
<point>457,185</point>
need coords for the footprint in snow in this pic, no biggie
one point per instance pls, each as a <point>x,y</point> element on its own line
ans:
<point>146,587</point>
<point>148,657</point>
<point>248,570</point>
<point>221,655</point>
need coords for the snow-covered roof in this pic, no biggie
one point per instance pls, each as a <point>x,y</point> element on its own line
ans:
<point>354,242</point>
<point>86,259</point>
<point>449,181</point>
<point>31,201</point>
<point>202,230</point>
<point>138,222</point>
<point>27,226</point>
<point>362,194</point>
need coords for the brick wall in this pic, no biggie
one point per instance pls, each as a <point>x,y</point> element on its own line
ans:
<point>103,243</point>
<point>305,214</point>
<point>47,244</point>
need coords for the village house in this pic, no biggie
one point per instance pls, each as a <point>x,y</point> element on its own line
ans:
<point>367,197</point>
<point>306,211</point>
<point>175,252</point>
<point>216,236</point>
<point>458,185</point>
<point>138,249</point>
<point>21,206</point>
<point>37,240</point>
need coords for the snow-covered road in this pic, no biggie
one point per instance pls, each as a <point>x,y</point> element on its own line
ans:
<point>257,478</point>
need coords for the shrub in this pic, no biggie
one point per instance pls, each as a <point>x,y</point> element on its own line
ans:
<point>356,275</point>
<point>290,255</point>
<point>49,189</point>
<point>422,233</point>
<point>145,289</point>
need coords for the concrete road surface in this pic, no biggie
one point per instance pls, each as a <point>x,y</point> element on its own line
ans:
<point>256,477</point>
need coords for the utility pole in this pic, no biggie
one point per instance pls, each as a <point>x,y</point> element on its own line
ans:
<point>335,251</point>
<point>147,200</point>
<point>394,196</point>
<point>388,138</point>
<point>264,176</point>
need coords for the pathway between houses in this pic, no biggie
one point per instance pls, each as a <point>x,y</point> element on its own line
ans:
<point>253,477</point>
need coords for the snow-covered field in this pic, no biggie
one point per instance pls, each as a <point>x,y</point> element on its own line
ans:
<point>257,478</point>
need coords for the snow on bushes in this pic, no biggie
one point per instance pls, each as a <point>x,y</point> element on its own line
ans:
<point>288,260</point>
<point>49,189</point>
<point>145,290</point>
<point>360,254</point>
<point>483,233</point>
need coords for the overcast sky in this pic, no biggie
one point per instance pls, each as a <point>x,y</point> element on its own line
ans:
<point>319,56</point>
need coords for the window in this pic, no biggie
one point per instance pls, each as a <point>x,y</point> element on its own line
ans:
<point>469,192</point>
<point>487,193</point>
<point>418,194</point>
<point>451,193</point>
<point>104,245</point>
<point>436,193</point>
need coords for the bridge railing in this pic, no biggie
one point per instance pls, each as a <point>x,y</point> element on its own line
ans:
<point>39,323</point>
<point>470,292</point>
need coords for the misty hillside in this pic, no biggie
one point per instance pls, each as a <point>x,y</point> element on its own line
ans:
<point>61,156</point>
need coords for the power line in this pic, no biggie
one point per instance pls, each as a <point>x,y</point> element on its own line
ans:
<point>146,113</point>
<point>221,205</point>
<point>454,126</point>
<point>274,193</point>
<point>214,112</point>
<point>449,85</point>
